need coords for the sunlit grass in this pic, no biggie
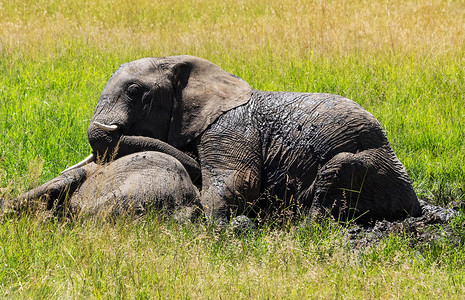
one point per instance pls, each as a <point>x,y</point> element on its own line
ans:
<point>401,60</point>
<point>236,27</point>
<point>155,258</point>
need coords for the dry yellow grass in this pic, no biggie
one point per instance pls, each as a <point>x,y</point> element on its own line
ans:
<point>241,28</point>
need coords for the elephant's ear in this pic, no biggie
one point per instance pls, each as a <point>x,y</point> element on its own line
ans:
<point>203,92</point>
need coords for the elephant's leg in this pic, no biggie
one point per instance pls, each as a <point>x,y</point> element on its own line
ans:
<point>227,192</point>
<point>368,185</point>
<point>53,192</point>
<point>231,171</point>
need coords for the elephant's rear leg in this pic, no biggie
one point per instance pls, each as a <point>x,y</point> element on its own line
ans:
<point>368,185</point>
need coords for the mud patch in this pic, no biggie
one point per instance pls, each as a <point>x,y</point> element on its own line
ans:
<point>433,225</point>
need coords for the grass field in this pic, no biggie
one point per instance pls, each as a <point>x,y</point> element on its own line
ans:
<point>403,61</point>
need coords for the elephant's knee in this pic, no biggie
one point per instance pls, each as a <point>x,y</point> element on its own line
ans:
<point>337,187</point>
<point>366,185</point>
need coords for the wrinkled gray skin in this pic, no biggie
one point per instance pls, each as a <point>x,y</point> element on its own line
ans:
<point>316,147</point>
<point>320,151</point>
<point>133,184</point>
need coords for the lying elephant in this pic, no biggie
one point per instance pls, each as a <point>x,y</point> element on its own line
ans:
<point>257,150</point>
<point>132,184</point>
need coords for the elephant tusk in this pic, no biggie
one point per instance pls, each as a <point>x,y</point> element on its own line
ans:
<point>86,160</point>
<point>106,127</point>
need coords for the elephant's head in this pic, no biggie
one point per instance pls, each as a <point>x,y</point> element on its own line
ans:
<point>172,99</point>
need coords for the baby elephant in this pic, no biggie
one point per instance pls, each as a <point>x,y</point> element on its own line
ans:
<point>133,184</point>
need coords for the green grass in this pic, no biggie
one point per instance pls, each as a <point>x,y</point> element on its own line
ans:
<point>401,60</point>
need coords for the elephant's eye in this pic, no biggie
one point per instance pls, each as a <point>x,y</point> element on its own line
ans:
<point>133,89</point>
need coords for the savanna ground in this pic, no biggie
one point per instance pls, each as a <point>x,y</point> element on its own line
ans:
<point>403,61</point>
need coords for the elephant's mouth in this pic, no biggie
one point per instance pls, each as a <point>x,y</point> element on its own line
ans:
<point>104,139</point>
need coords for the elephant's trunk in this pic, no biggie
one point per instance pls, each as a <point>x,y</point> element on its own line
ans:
<point>108,141</point>
<point>131,144</point>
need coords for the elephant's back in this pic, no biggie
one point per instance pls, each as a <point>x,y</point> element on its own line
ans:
<point>324,124</point>
<point>134,184</point>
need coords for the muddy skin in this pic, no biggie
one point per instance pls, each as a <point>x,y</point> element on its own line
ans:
<point>317,151</point>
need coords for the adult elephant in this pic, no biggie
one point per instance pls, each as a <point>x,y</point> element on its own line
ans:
<point>256,149</point>
<point>130,185</point>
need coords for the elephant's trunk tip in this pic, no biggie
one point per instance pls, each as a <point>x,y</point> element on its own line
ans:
<point>86,160</point>
<point>106,127</point>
